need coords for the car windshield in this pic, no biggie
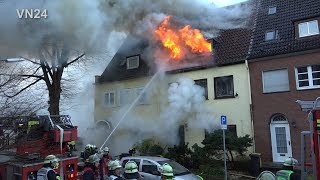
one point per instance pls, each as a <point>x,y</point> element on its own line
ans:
<point>178,169</point>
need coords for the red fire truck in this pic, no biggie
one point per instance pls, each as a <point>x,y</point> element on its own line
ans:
<point>26,141</point>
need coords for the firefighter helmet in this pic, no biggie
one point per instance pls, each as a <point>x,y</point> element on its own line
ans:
<point>106,150</point>
<point>52,159</point>
<point>290,162</point>
<point>93,159</point>
<point>131,167</point>
<point>114,165</point>
<point>167,170</point>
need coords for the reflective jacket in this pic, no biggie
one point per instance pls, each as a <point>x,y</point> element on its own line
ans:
<point>103,166</point>
<point>284,175</point>
<point>42,173</point>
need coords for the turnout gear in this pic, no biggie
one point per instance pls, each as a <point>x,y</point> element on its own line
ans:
<point>131,167</point>
<point>47,173</point>
<point>284,175</point>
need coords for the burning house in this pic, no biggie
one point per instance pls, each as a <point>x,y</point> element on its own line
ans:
<point>183,83</point>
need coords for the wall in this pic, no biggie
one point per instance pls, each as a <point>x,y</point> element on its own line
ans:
<point>265,105</point>
<point>236,109</point>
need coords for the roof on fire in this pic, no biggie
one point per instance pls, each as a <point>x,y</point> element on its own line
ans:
<point>230,47</point>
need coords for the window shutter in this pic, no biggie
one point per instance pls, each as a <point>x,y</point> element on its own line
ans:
<point>275,81</point>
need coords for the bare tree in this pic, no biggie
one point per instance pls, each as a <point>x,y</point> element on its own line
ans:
<point>48,66</point>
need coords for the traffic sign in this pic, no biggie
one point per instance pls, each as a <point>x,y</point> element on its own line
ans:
<point>224,122</point>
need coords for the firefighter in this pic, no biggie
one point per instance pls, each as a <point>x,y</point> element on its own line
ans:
<point>90,168</point>
<point>47,172</point>
<point>115,170</point>
<point>167,172</point>
<point>103,168</point>
<point>131,171</point>
<point>86,153</point>
<point>287,173</point>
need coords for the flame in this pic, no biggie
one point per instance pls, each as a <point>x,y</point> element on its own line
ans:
<point>176,40</point>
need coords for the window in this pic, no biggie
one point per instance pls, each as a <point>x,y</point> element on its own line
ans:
<point>125,96</point>
<point>203,84</point>
<point>275,81</point>
<point>271,35</point>
<point>223,87</point>
<point>272,10</point>
<point>149,167</point>
<point>308,77</point>
<point>143,98</point>
<point>308,28</point>
<point>109,99</point>
<point>133,62</point>
<point>232,129</point>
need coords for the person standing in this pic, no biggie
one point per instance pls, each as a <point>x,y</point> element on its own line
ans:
<point>115,170</point>
<point>47,172</point>
<point>91,166</point>
<point>103,163</point>
<point>287,173</point>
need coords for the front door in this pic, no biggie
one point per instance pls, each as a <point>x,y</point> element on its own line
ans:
<point>281,141</point>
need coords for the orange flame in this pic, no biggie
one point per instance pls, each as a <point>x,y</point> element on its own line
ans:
<point>177,40</point>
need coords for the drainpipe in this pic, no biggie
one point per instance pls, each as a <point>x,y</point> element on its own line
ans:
<point>250,102</point>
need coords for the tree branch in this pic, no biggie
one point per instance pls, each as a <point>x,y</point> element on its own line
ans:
<point>23,89</point>
<point>24,75</point>
<point>34,62</point>
<point>76,59</point>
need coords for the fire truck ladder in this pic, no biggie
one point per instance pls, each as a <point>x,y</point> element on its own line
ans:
<point>17,130</point>
<point>313,107</point>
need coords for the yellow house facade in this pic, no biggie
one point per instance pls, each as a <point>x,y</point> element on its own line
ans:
<point>226,84</point>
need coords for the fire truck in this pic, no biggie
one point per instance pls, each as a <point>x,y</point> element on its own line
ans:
<point>310,141</point>
<point>26,141</point>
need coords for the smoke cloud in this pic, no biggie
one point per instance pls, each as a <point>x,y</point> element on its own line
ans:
<point>86,25</point>
<point>184,104</point>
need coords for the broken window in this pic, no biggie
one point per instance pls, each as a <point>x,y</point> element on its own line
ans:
<point>133,62</point>
<point>203,84</point>
<point>223,87</point>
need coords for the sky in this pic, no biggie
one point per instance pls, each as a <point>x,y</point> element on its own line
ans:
<point>222,3</point>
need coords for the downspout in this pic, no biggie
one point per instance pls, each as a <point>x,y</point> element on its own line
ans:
<point>250,103</point>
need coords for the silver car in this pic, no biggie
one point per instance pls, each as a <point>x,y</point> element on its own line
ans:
<point>149,167</point>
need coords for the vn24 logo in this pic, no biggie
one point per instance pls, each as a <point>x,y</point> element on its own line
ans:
<point>32,13</point>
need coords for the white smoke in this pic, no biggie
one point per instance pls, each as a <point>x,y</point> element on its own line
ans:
<point>184,104</point>
<point>86,25</point>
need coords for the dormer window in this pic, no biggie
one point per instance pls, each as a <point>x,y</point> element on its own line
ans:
<point>308,28</point>
<point>133,62</point>
<point>271,35</point>
<point>272,10</point>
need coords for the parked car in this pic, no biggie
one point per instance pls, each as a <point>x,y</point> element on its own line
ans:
<point>149,167</point>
